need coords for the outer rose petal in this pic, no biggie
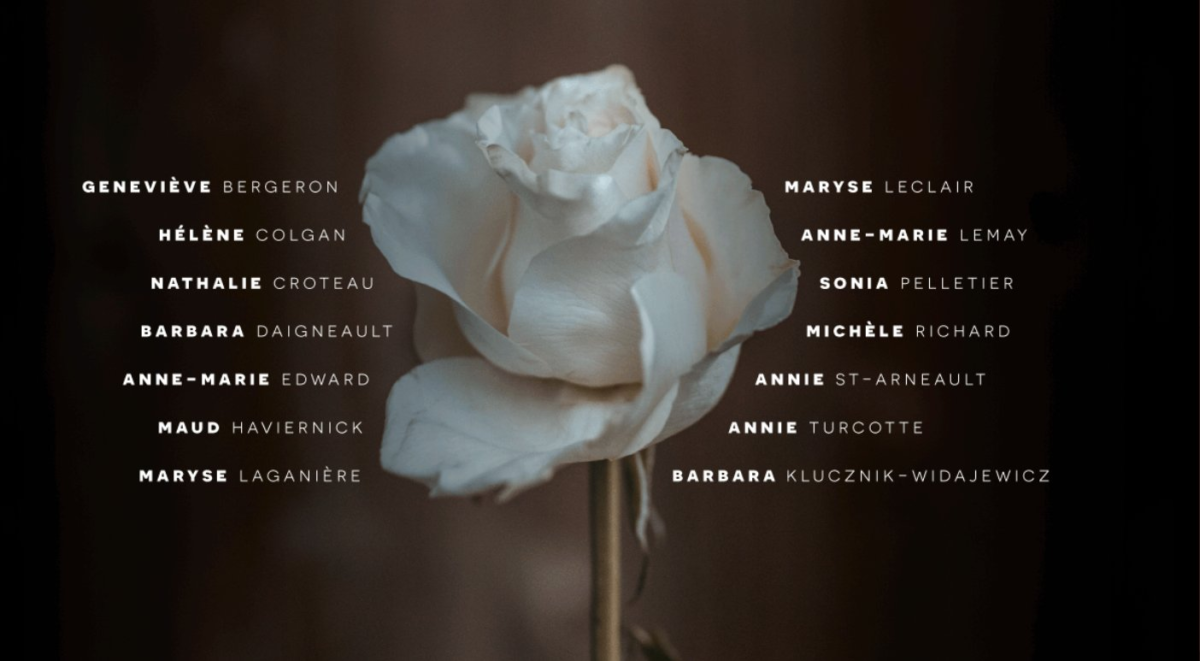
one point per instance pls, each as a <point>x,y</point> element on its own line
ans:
<point>437,213</point>
<point>771,306</point>
<point>462,426</point>
<point>700,390</point>
<point>431,205</point>
<point>751,281</point>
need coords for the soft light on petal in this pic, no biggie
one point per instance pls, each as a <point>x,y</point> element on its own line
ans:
<point>730,225</point>
<point>462,426</point>
<point>431,203</point>
<point>700,390</point>
<point>440,216</point>
<point>574,307</point>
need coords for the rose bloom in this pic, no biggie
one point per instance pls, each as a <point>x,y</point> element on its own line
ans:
<point>583,283</point>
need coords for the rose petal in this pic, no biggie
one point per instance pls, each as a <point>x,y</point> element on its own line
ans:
<point>549,207</point>
<point>431,205</point>
<point>574,307</point>
<point>744,262</point>
<point>462,426</point>
<point>599,102</point>
<point>578,199</point>
<point>594,103</point>
<point>672,343</point>
<point>573,154</point>
<point>771,306</point>
<point>700,390</point>
<point>436,212</point>
<point>569,150</point>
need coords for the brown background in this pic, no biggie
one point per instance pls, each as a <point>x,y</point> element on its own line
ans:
<point>788,90</point>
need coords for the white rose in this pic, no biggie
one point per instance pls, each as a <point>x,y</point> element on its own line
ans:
<point>583,283</point>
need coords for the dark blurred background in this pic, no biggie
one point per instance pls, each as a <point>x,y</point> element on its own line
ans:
<point>1075,122</point>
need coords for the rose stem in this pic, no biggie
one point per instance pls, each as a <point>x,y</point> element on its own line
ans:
<point>604,500</point>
